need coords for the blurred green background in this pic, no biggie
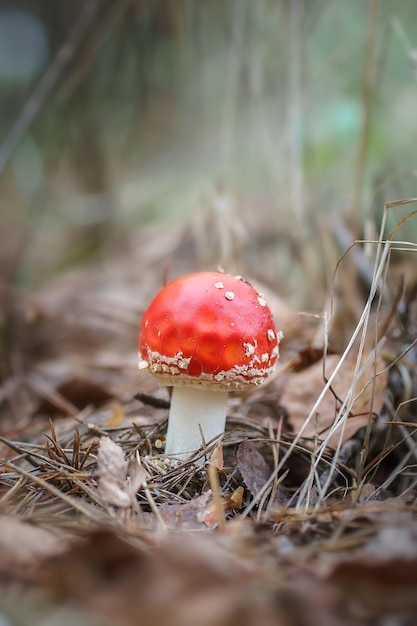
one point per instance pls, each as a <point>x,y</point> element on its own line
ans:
<point>114,115</point>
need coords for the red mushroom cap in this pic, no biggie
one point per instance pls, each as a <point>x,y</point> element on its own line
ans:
<point>211,330</point>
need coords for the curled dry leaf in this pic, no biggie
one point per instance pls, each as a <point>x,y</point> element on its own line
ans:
<point>118,480</point>
<point>216,458</point>
<point>210,515</point>
<point>301,390</point>
<point>136,477</point>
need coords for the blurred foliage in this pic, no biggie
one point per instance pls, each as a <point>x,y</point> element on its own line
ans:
<point>160,98</point>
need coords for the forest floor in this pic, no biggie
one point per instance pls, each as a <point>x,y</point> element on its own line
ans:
<point>304,513</point>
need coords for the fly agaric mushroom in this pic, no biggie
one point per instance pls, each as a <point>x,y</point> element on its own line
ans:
<point>206,334</point>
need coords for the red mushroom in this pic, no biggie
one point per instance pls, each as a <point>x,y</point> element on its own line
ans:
<point>206,334</point>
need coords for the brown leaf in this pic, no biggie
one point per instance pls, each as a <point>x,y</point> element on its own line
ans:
<point>200,512</point>
<point>71,395</point>
<point>136,477</point>
<point>186,516</point>
<point>378,586</point>
<point>216,458</point>
<point>184,579</point>
<point>117,417</point>
<point>253,468</point>
<point>306,357</point>
<point>23,547</point>
<point>210,515</point>
<point>118,479</point>
<point>301,390</point>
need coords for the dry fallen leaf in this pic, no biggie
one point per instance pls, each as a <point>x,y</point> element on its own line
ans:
<point>118,414</point>
<point>118,480</point>
<point>79,392</point>
<point>301,390</point>
<point>201,512</point>
<point>210,516</point>
<point>253,468</point>
<point>186,516</point>
<point>24,546</point>
<point>186,579</point>
<point>378,586</point>
<point>216,458</point>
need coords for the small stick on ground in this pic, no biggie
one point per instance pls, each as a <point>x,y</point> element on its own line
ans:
<point>217,496</point>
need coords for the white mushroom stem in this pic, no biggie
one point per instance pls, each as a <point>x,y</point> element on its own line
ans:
<point>194,413</point>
